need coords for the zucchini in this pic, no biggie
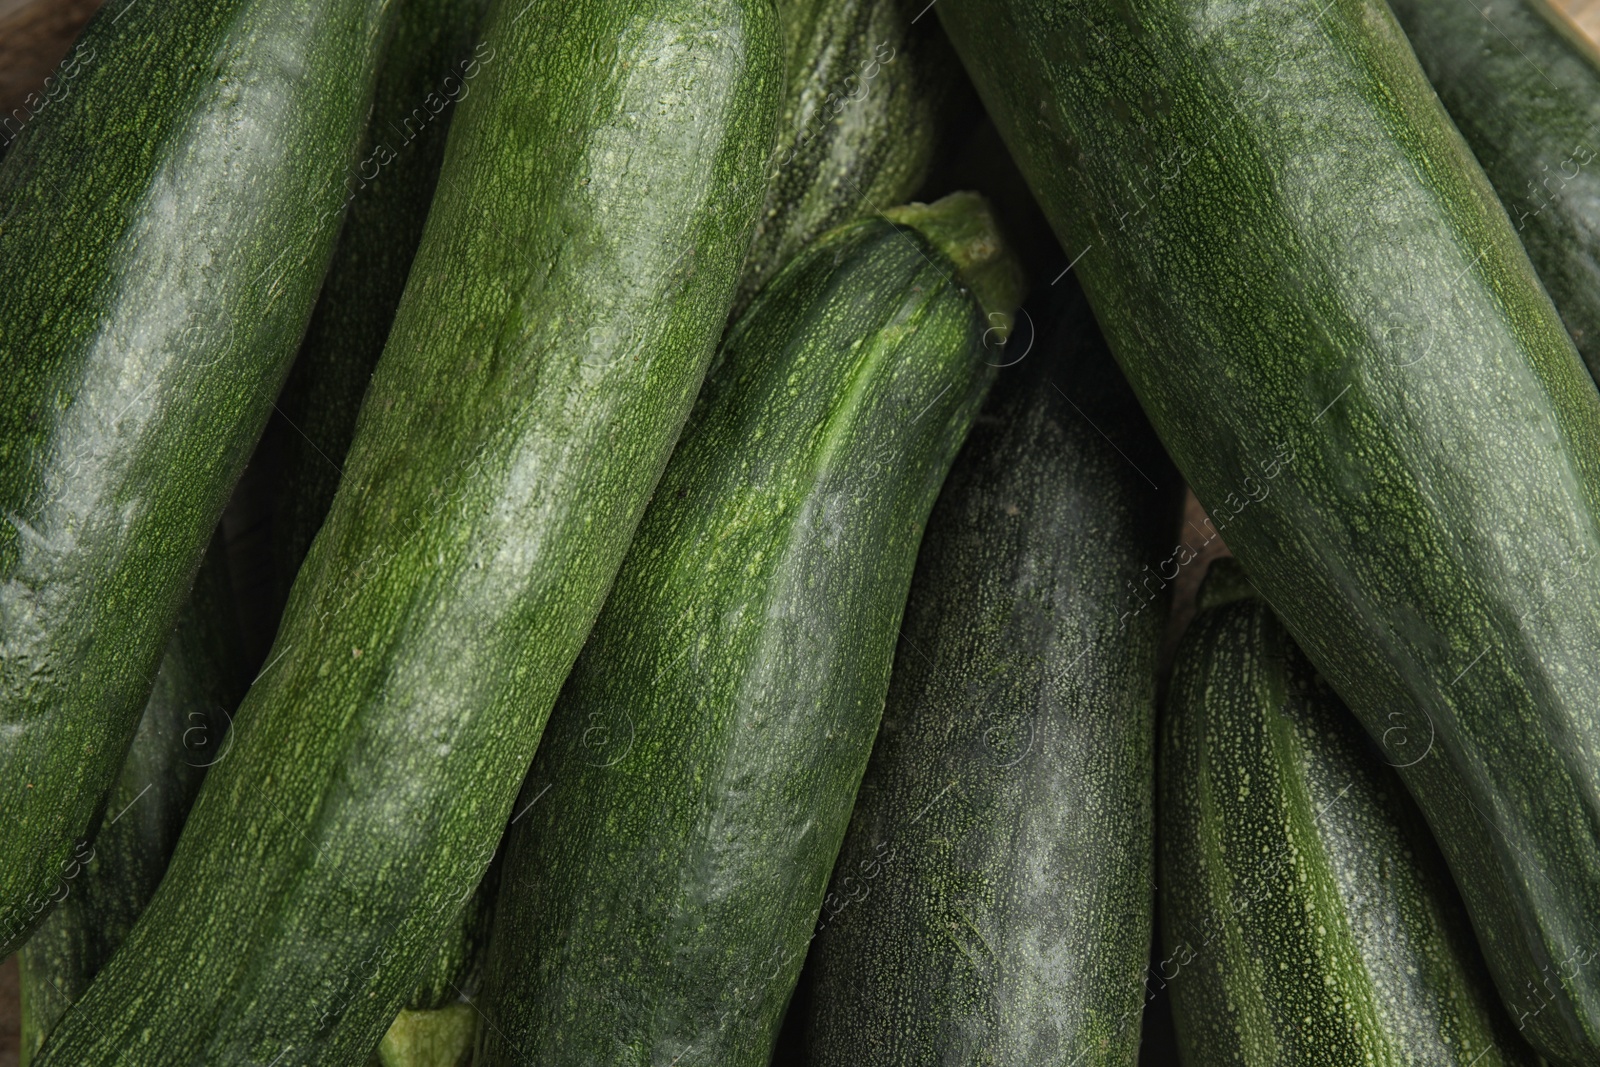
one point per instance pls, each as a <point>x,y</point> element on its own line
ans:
<point>594,206</point>
<point>433,62</point>
<point>1308,916</point>
<point>183,731</point>
<point>865,89</point>
<point>1327,316</point>
<point>992,901</point>
<point>675,834</point>
<point>1523,86</point>
<point>151,298</point>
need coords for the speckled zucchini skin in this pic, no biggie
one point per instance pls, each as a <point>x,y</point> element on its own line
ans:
<point>164,227</point>
<point>433,62</point>
<point>594,206</point>
<point>1523,86</point>
<point>687,805</point>
<point>992,901</point>
<point>183,731</point>
<point>1308,915</point>
<point>862,105</point>
<point>1327,315</point>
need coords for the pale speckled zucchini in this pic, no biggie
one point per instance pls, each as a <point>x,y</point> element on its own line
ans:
<point>1308,916</point>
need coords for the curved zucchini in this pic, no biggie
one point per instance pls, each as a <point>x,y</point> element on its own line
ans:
<point>183,731</point>
<point>1327,315</point>
<point>594,206</point>
<point>152,293</point>
<point>992,901</point>
<point>1308,916</point>
<point>681,818</point>
<point>432,63</point>
<point>1523,86</point>
<point>863,98</point>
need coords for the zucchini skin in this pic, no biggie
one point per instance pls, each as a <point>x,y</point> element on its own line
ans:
<point>1278,225</point>
<point>152,295</point>
<point>678,825</point>
<point>1309,917</point>
<point>553,334</point>
<point>1001,846</point>
<point>432,63</point>
<point>1524,90</point>
<point>183,731</point>
<point>864,93</point>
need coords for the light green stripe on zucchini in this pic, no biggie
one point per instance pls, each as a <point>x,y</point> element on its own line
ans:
<point>1308,916</point>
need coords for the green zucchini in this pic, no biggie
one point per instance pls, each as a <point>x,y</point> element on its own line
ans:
<point>864,94</point>
<point>152,293</point>
<point>183,731</point>
<point>675,835</point>
<point>1329,320</point>
<point>1308,916</point>
<point>1523,86</point>
<point>992,901</point>
<point>433,62</point>
<point>594,206</point>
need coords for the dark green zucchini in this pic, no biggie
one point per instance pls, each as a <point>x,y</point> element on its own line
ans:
<point>183,731</point>
<point>163,231</point>
<point>992,901</point>
<point>1523,86</point>
<point>1327,316</point>
<point>433,62</point>
<point>594,206</point>
<point>1308,916</point>
<point>676,831</point>
<point>865,89</point>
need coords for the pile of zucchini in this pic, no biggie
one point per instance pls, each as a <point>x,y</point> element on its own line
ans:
<point>725,577</point>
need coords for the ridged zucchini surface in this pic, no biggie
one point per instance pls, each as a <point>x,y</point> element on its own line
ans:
<point>675,834</point>
<point>153,290</point>
<point>594,206</point>
<point>865,84</point>
<point>1326,313</point>
<point>1308,916</point>
<point>992,901</point>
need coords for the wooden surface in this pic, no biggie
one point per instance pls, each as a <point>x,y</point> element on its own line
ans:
<point>34,37</point>
<point>1586,13</point>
